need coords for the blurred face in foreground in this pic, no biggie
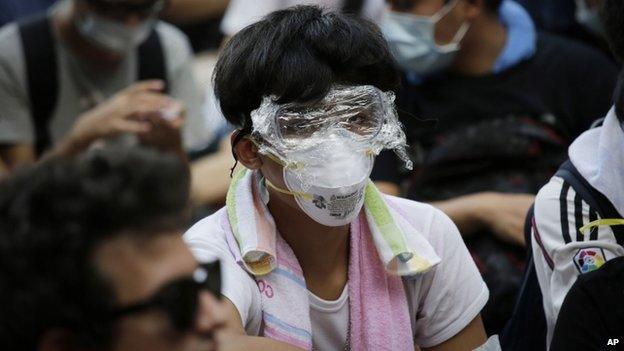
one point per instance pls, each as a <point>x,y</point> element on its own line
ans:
<point>163,297</point>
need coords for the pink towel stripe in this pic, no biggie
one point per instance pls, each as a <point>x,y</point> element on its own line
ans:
<point>278,335</point>
<point>289,266</point>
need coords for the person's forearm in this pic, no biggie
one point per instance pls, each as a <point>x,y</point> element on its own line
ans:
<point>210,177</point>
<point>67,147</point>
<point>191,11</point>
<point>13,156</point>
<point>236,342</point>
<point>465,211</point>
<point>4,170</point>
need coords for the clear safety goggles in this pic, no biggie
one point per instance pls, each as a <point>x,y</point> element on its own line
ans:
<point>361,114</point>
<point>364,114</point>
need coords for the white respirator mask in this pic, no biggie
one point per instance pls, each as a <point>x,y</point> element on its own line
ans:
<point>329,188</point>
<point>113,35</point>
<point>328,148</point>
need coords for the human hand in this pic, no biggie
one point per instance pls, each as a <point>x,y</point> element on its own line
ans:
<point>165,128</point>
<point>505,214</point>
<point>132,110</point>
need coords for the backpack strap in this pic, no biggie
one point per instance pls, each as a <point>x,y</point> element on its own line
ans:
<point>526,329</point>
<point>353,6</point>
<point>151,60</point>
<point>41,74</point>
<point>528,224</point>
<point>594,198</point>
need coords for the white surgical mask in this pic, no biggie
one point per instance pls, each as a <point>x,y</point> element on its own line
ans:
<point>412,41</point>
<point>114,35</point>
<point>589,17</point>
<point>329,188</point>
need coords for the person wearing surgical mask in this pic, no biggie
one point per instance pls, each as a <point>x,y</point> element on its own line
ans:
<point>119,27</point>
<point>315,257</point>
<point>574,19</point>
<point>507,100</point>
<point>93,70</point>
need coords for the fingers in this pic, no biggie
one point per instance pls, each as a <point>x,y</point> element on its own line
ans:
<point>157,110</point>
<point>154,85</point>
<point>131,126</point>
<point>175,113</point>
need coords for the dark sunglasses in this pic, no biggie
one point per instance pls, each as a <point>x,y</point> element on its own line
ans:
<point>180,298</point>
<point>124,8</point>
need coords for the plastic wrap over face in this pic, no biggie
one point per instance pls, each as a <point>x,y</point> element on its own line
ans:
<point>363,115</point>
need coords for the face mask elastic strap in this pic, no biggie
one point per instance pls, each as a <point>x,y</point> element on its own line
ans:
<point>436,17</point>
<point>277,160</point>
<point>461,33</point>
<point>304,196</point>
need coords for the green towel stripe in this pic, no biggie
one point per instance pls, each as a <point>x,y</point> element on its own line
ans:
<point>378,208</point>
<point>230,202</point>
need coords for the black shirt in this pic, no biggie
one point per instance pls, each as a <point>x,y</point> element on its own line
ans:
<point>565,85</point>
<point>592,314</point>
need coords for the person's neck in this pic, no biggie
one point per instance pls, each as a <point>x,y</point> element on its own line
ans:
<point>322,252</point>
<point>481,47</point>
<point>86,51</point>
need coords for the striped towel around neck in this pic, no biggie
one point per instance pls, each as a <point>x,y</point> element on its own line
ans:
<point>383,248</point>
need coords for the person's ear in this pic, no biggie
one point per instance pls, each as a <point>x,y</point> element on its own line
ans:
<point>247,153</point>
<point>56,340</point>
<point>474,8</point>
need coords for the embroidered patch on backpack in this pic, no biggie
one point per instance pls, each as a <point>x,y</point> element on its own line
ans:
<point>589,259</point>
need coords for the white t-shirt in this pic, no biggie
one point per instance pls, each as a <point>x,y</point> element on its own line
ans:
<point>441,302</point>
<point>241,13</point>
<point>75,81</point>
<point>330,321</point>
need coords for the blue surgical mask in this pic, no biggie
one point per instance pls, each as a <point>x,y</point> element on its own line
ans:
<point>412,41</point>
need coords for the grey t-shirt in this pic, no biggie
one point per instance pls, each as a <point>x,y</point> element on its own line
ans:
<point>79,84</point>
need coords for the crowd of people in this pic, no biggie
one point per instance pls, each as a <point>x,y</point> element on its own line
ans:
<point>436,175</point>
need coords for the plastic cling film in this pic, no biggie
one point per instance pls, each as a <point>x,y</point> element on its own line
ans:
<point>364,115</point>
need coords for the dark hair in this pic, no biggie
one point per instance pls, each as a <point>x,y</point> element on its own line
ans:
<point>52,217</point>
<point>297,54</point>
<point>613,18</point>
<point>491,5</point>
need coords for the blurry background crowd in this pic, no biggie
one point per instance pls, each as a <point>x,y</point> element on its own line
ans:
<point>484,140</point>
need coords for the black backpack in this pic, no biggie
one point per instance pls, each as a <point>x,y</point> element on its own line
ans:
<point>42,71</point>
<point>526,330</point>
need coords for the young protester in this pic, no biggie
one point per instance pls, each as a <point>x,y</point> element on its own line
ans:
<point>89,70</point>
<point>317,257</point>
<point>241,13</point>
<point>574,19</point>
<point>508,100</point>
<point>595,297</point>
<point>578,225</point>
<point>92,257</point>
